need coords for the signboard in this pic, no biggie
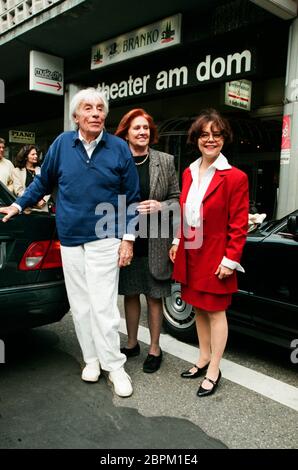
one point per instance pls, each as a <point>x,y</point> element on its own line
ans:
<point>286,140</point>
<point>238,94</point>
<point>22,137</point>
<point>206,69</point>
<point>46,73</point>
<point>150,38</point>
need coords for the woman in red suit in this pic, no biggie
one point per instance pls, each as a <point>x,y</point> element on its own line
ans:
<point>214,207</point>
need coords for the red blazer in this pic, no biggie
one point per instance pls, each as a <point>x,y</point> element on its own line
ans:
<point>225,222</point>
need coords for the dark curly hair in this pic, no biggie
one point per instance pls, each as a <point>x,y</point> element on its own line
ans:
<point>22,155</point>
<point>205,116</point>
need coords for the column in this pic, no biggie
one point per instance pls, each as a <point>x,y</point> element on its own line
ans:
<point>288,179</point>
<point>70,91</point>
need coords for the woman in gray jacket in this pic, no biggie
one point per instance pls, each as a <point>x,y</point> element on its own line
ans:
<point>150,270</point>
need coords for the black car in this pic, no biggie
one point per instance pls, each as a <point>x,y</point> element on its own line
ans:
<point>266,305</point>
<point>32,290</point>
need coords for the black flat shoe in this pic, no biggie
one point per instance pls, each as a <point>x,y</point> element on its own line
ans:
<point>203,392</point>
<point>193,375</point>
<point>131,352</point>
<point>152,363</point>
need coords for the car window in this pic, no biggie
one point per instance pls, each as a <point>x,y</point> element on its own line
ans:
<point>270,225</point>
<point>281,229</point>
<point>284,232</point>
<point>6,197</point>
<point>276,226</point>
<point>3,201</point>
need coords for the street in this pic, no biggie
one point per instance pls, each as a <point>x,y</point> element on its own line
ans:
<point>45,405</point>
<point>109,110</point>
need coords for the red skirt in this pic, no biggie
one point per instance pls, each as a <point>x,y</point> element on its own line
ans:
<point>205,300</point>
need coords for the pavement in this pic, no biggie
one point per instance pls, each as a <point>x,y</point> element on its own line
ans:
<point>45,405</point>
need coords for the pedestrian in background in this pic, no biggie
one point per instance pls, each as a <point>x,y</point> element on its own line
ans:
<point>26,168</point>
<point>214,205</point>
<point>6,168</point>
<point>90,169</point>
<point>150,270</point>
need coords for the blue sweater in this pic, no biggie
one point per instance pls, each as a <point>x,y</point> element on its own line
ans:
<point>87,203</point>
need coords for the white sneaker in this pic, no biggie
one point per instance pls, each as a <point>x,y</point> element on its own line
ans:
<point>91,372</point>
<point>121,382</point>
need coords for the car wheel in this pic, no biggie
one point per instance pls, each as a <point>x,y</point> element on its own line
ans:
<point>179,317</point>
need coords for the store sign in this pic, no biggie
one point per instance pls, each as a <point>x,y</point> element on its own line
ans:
<point>2,92</point>
<point>286,140</point>
<point>156,36</point>
<point>22,137</point>
<point>206,70</point>
<point>238,94</point>
<point>46,73</point>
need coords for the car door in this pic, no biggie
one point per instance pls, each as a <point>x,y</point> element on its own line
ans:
<point>274,301</point>
<point>32,290</point>
<point>15,237</point>
<point>240,313</point>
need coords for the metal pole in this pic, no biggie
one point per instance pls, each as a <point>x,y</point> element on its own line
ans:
<point>70,91</point>
<point>288,179</point>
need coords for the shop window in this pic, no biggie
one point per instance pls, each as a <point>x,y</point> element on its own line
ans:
<point>255,150</point>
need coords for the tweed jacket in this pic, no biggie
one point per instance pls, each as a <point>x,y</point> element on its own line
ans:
<point>164,188</point>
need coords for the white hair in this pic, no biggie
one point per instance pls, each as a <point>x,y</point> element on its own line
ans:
<point>90,95</point>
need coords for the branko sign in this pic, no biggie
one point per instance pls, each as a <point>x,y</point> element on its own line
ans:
<point>207,70</point>
<point>150,38</point>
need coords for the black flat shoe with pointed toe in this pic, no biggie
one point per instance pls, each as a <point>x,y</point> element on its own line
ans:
<point>187,374</point>
<point>204,392</point>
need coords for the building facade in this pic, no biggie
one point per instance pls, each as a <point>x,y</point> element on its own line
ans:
<point>172,59</point>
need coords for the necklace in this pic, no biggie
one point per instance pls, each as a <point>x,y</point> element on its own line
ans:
<point>143,161</point>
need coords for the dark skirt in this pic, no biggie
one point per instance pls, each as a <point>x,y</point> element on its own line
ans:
<point>205,300</point>
<point>136,279</point>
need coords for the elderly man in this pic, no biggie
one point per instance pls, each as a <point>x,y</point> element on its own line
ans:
<point>6,167</point>
<point>90,169</point>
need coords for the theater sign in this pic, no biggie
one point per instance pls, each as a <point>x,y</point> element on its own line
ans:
<point>208,68</point>
<point>150,38</point>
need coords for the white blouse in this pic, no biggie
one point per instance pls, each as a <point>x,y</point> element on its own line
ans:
<point>197,191</point>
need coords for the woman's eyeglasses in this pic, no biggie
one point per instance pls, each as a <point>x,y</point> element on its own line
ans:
<point>205,136</point>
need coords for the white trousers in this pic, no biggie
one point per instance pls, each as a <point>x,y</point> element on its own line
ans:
<point>91,275</point>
